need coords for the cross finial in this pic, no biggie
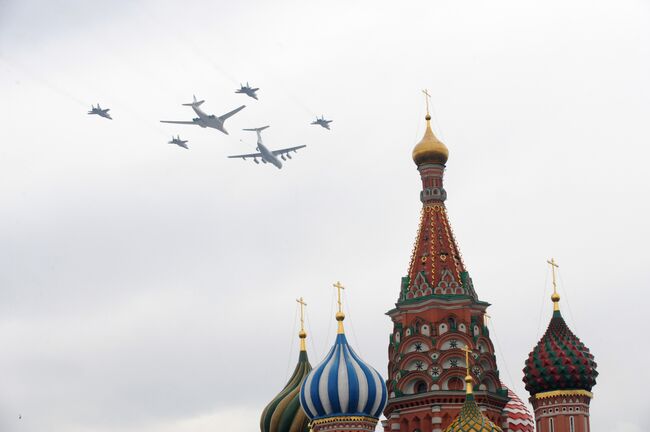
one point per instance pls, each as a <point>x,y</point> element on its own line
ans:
<point>302,334</point>
<point>555,297</point>
<point>340,316</point>
<point>427,97</point>
<point>302,304</point>
<point>339,287</point>
<point>468,377</point>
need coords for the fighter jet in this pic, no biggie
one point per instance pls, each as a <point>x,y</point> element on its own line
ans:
<point>100,112</point>
<point>247,90</point>
<point>206,120</point>
<point>266,155</point>
<point>179,142</point>
<point>322,122</point>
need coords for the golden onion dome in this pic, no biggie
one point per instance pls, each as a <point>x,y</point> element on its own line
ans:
<point>430,149</point>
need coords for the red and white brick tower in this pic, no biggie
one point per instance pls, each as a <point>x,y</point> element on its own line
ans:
<point>436,315</point>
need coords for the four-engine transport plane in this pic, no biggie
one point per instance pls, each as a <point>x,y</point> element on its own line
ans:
<point>266,155</point>
<point>179,142</point>
<point>206,120</point>
<point>322,122</point>
<point>100,112</point>
<point>247,90</point>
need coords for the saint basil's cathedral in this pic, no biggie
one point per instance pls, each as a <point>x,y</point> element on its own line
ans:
<point>442,372</point>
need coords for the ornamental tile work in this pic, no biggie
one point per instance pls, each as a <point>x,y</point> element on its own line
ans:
<point>471,419</point>
<point>518,417</point>
<point>559,361</point>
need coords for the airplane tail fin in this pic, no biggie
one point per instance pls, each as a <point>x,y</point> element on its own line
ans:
<point>195,103</point>
<point>259,129</point>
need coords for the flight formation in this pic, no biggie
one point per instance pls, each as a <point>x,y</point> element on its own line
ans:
<point>205,120</point>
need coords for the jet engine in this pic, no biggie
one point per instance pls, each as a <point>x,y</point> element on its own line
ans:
<point>283,158</point>
<point>256,161</point>
<point>288,155</point>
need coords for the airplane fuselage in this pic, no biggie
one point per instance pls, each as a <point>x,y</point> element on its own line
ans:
<point>268,156</point>
<point>208,120</point>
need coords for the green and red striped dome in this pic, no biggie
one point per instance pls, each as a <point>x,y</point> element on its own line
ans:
<point>559,361</point>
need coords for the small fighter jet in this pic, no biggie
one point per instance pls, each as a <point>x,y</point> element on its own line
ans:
<point>247,90</point>
<point>266,155</point>
<point>179,142</point>
<point>206,120</point>
<point>322,122</point>
<point>100,112</point>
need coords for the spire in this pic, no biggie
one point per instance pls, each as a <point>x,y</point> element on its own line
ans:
<point>555,297</point>
<point>436,267</point>
<point>340,316</point>
<point>302,334</point>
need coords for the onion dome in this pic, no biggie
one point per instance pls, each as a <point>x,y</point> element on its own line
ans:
<point>518,418</point>
<point>430,150</point>
<point>559,361</point>
<point>283,413</point>
<point>342,385</point>
<point>471,419</point>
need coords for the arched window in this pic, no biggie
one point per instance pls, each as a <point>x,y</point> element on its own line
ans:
<point>455,383</point>
<point>420,387</point>
<point>572,426</point>
<point>551,425</point>
<point>452,323</point>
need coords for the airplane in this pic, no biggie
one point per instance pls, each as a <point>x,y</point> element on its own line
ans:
<point>322,122</point>
<point>179,142</point>
<point>266,155</point>
<point>206,120</point>
<point>100,112</point>
<point>247,90</point>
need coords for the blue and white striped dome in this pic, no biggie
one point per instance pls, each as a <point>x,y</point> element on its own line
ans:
<point>343,385</point>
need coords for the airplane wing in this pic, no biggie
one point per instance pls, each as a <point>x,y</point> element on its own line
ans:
<point>231,113</point>
<point>244,156</point>
<point>287,150</point>
<point>178,122</point>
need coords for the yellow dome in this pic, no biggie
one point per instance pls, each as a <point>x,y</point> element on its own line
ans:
<point>430,149</point>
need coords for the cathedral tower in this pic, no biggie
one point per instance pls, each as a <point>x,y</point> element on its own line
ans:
<point>559,375</point>
<point>437,314</point>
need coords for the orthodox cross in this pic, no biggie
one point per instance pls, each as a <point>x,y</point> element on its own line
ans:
<point>427,96</point>
<point>302,313</point>
<point>467,350</point>
<point>339,287</point>
<point>553,267</point>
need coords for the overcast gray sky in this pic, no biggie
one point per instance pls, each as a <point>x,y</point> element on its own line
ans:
<point>144,287</point>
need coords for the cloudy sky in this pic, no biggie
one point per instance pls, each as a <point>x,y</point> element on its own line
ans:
<point>144,287</point>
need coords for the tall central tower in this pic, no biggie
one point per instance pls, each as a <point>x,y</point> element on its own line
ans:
<point>437,314</point>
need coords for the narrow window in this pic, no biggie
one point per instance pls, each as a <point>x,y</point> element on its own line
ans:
<point>551,425</point>
<point>572,427</point>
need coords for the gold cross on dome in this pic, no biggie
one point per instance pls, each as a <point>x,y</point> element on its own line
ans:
<point>427,97</point>
<point>553,267</point>
<point>339,287</point>
<point>467,350</point>
<point>302,313</point>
